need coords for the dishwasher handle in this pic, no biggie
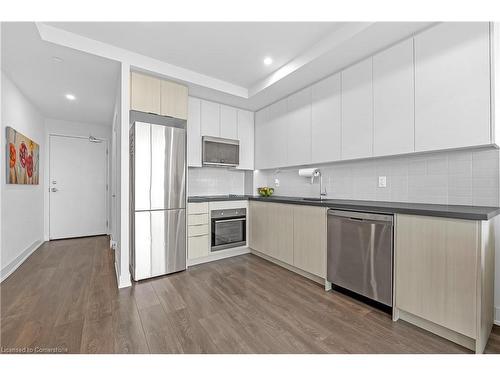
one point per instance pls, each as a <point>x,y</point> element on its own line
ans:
<point>361,216</point>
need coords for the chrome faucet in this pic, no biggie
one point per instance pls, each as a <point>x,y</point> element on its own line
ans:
<point>322,192</point>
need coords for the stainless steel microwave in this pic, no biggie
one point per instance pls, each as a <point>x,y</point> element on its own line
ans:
<point>221,152</point>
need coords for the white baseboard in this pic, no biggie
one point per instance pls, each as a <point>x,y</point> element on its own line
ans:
<point>221,254</point>
<point>497,316</point>
<point>123,282</point>
<point>12,266</point>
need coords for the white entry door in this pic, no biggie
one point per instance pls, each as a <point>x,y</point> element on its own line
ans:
<point>78,178</point>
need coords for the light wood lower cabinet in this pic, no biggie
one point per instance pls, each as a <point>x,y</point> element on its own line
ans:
<point>309,239</point>
<point>443,276</point>
<point>198,231</point>
<point>292,234</point>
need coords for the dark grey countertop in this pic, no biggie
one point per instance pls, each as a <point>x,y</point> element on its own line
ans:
<point>439,210</point>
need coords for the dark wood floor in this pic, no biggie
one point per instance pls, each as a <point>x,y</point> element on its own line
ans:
<point>64,298</point>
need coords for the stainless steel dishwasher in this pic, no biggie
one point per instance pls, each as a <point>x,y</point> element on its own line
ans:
<point>360,252</point>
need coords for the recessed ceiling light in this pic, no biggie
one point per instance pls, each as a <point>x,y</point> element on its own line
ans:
<point>70,97</point>
<point>57,59</point>
<point>268,61</point>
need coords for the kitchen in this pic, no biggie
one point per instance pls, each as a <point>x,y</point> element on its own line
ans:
<point>350,204</point>
<point>366,248</point>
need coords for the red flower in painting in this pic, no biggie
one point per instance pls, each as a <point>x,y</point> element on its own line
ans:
<point>12,154</point>
<point>23,153</point>
<point>29,165</point>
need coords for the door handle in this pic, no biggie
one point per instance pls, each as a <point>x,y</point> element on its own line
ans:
<point>53,189</point>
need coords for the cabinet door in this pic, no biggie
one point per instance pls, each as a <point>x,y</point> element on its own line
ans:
<point>194,132</point>
<point>246,138</point>
<point>309,239</point>
<point>276,131</point>
<point>280,232</point>
<point>259,226</point>
<point>436,263</point>
<point>262,141</point>
<point>228,122</point>
<point>174,100</point>
<point>145,93</point>
<point>357,111</point>
<point>210,118</point>
<point>198,246</point>
<point>326,120</point>
<point>393,100</point>
<point>298,129</point>
<point>452,86</point>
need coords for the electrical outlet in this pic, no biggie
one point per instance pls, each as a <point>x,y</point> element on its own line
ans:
<point>276,182</point>
<point>382,181</point>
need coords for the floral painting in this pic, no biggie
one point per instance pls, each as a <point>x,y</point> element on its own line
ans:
<point>23,160</point>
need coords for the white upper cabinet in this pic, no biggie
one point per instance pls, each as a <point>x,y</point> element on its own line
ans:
<point>245,121</point>
<point>357,111</point>
<point>452,86</point>
<point>262,140</point>
<point>210,118</point>
<point>194,132</point>
<point>277,132</point>
<point>393,100</point>
<point>326,120</point>
<point>298,128</point>
<point>228,122</point>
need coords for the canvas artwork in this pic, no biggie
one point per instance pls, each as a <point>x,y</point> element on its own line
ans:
<point>23,160</point>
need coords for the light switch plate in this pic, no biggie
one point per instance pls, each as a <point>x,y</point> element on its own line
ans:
<point>382,181</point>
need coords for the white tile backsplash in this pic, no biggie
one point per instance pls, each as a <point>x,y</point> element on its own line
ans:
<point>215,181</point>
<point>469,177</point>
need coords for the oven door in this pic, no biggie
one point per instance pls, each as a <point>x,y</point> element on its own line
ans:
<point>228,232</point>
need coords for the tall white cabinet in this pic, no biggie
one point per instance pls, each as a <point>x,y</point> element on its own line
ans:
<point>194,132</point>
<point>298,129</point>
<point>210,115</point>
<point>228,122</point>
<point>245,122</point>
<point>276,129</point>
<point>357,111</point>
<point>326,120</point>
<point>452,86</point>
<point>393,100</point>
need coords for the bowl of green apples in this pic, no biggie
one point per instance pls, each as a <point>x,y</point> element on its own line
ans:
<point>265,191</point>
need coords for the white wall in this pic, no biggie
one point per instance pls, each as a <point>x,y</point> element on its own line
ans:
<point>22,205</point>
<point>215,181</point>
<point>115,180</point>
<point>467,177</point>
<point>75,129</point>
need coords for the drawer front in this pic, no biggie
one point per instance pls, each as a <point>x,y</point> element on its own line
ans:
<point>197,208</point>
<point>198,219</point>
<point>198,247</point>
<point>197,230</point>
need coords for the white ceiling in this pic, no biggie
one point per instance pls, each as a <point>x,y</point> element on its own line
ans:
<point>231,51</point>
<point>217,61</point>
<point>29,62</point>
<point>224,61</point>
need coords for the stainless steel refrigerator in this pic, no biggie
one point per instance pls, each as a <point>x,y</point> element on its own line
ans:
<point>158,195</point>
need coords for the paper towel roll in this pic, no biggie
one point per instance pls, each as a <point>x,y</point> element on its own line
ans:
<point>309,172</point>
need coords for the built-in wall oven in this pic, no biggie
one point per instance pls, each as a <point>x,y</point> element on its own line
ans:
<point>228,228</point>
